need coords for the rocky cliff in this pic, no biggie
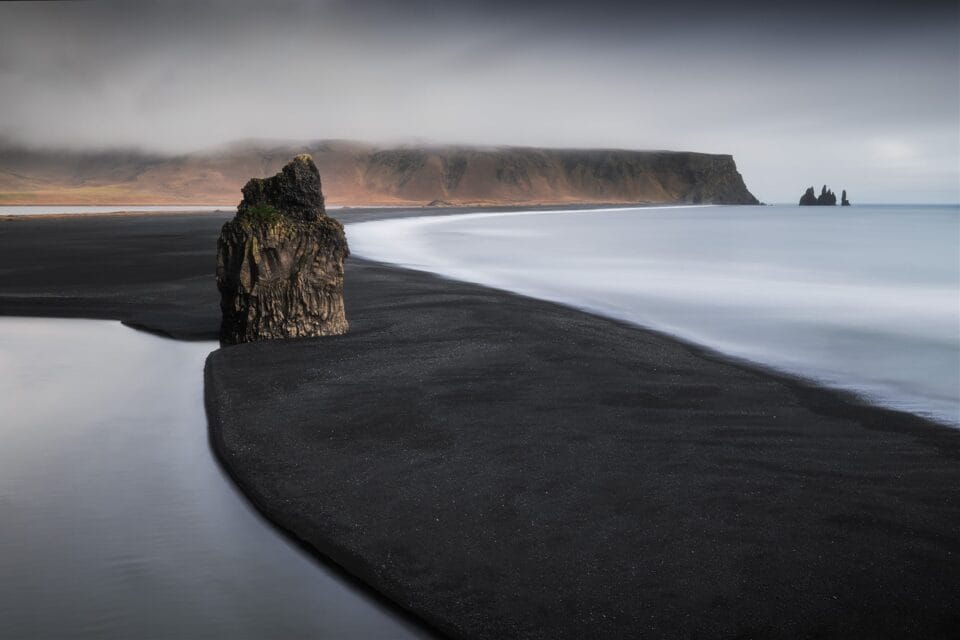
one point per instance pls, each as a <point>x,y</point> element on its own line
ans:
<point>826,198</point>
<point>356,173</point>
<point>280,261</point>
<point>462,175</point>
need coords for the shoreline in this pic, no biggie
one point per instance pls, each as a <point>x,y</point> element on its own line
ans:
<point>309,439</point>
<point>364,211</point>
<point>72,521</point>
<point>433,354</point>
<point>424,244</point>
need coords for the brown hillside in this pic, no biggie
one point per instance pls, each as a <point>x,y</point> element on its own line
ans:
<point>355,173</point>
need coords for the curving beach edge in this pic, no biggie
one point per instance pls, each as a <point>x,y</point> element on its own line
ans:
<point>506,467</point>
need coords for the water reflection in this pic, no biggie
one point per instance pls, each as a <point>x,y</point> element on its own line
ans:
<point>116,521</point>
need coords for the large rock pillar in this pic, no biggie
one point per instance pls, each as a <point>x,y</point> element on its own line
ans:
<point>280,261</point>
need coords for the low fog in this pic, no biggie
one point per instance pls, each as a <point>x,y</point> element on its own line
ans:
<point>865,102</point>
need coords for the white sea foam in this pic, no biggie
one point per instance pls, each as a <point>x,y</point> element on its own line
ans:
<point>864,298</point>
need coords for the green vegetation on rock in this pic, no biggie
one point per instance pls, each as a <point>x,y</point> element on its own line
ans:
<point>262,213</point>
<point>280,261</point>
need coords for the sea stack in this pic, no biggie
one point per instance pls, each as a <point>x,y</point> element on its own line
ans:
<point>280,261</point>
<point>826,197</point>
<point>843,199</point>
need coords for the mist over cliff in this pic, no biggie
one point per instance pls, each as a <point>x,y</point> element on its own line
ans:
<point>356,173</point>
<point>866,96</point>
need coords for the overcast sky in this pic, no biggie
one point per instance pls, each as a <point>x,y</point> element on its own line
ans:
<point>799,93</point>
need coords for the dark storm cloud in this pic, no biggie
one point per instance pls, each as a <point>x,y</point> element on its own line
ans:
<point>799,92</point>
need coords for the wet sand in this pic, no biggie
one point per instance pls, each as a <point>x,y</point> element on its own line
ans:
<point>505,467</point>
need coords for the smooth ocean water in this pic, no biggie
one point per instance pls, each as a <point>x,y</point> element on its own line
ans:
<point>115,520</point>
<point>865,298</point>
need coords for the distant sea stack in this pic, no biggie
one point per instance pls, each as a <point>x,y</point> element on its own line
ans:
<point>363,174</point>
<point>280,260</point>
<point>826,198</point>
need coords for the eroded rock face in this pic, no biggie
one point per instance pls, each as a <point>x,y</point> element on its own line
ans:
<point>809,198</point>
<point>295,191</point>
<point>280,261</point>
<point>826,198</point>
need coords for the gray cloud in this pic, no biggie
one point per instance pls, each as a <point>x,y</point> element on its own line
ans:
<point>800,95</point>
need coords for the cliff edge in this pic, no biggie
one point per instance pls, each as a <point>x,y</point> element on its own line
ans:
<point>358,173</point>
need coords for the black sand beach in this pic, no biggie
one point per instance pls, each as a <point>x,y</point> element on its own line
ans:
<point>152,271</point>
<point>505,467</point>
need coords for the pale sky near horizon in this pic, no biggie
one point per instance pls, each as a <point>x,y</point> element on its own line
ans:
<point>803,95</point>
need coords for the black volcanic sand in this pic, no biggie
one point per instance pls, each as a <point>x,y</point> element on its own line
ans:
<point>504,467</point>
<point>154,272</point>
